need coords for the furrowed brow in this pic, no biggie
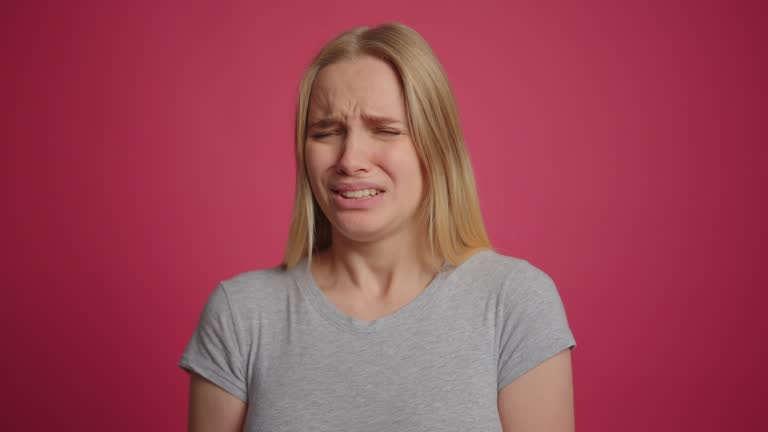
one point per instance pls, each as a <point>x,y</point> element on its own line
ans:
<point>328,122</point>
<point>380,120</point>
<point>324,123</point>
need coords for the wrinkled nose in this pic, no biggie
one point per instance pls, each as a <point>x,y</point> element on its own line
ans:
<point>354,156</point>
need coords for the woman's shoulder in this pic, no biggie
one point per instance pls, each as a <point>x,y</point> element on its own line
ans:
<point>258,285</point>
<point>503,272</point>
<point>490,263</point>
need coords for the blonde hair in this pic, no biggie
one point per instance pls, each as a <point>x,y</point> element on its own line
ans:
<point>451,208</point>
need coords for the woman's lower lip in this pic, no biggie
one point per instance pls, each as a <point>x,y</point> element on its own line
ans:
<point>357,203</point>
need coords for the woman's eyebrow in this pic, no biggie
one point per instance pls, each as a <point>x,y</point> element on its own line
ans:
<point>327,122</point>
<point>380,120</point>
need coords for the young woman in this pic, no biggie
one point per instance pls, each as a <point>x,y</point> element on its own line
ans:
<point>390,311</point>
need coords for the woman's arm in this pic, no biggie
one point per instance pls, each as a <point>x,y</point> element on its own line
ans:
<point>211,409</point>
<point>540,400</point>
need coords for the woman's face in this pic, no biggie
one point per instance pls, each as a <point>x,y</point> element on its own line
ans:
<point>362,164</point>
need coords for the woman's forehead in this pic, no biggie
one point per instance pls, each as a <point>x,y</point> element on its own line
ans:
<point>358,88</point>
<point>323,121</point>
<point>377,112</point>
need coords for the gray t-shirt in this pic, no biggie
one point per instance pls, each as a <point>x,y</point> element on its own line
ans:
<point>272,339</point>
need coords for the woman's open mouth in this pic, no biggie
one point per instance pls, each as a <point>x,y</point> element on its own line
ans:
<point>359,194</point>
<point>358,199</point>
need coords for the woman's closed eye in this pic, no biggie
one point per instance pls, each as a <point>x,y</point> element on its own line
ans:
<point>390,132</point>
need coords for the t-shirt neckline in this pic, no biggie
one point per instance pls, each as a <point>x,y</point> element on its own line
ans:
<point>330,312</point>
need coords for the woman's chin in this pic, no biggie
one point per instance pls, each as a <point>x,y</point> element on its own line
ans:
<point>360,231</point>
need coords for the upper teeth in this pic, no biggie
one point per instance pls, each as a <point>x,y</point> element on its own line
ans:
<point>359,193</point>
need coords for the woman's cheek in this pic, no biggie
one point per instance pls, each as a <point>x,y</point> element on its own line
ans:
<point>401,162</point>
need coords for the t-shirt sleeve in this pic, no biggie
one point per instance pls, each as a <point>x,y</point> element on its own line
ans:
<point>213,351</point>
<point>534,325</point>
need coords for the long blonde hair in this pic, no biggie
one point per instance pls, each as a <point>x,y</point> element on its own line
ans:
<point>451,208</point>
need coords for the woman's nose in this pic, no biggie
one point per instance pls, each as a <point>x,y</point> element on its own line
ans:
<point>354,155</point>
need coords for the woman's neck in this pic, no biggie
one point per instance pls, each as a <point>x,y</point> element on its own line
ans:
<point>388,268</point>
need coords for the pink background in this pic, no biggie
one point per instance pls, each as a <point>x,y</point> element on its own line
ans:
<point>619,146</point>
